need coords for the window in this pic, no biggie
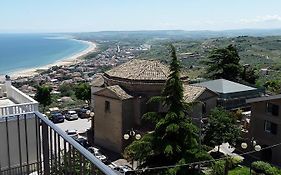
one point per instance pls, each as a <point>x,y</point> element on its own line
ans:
<point>270,127</point>
<point>272,108</point>
<point>107,106</point>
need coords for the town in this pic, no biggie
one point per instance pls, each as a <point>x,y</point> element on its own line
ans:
<point>100,102</point>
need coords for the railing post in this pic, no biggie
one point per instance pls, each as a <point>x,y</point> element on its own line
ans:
<point>45,139</point>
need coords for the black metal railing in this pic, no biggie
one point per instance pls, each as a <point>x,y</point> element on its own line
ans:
<point>32,144</point>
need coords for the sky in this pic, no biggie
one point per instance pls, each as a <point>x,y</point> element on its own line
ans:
<point>42,16</point>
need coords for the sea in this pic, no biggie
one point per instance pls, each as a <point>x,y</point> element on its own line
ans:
<point>25,51</point>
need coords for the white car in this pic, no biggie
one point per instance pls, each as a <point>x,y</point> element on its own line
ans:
<point>71,115</point>
<point>72,133</point>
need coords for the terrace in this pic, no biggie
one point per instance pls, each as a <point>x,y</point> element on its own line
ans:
<point>32,144</point>
<point>13,101</point>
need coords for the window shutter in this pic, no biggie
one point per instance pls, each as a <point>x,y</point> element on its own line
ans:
<point>275,110</point>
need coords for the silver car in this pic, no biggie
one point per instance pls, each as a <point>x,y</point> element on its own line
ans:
<point>71,115</point>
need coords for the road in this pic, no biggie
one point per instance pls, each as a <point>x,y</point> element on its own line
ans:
<point>81,125</point>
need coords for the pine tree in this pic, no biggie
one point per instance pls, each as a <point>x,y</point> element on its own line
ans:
<point>174,139</point>
<point>224,63</point>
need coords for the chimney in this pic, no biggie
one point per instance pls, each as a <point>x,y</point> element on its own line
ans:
<point>8,85</point>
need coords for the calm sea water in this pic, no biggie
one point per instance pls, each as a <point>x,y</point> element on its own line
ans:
<point>23,51</point>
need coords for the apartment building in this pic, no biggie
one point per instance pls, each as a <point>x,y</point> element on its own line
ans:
<point>265,125</point>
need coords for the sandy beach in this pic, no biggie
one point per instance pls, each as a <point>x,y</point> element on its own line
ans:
<point>64,62</point>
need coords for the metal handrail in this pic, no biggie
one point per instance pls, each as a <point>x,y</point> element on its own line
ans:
<point>101,166</point>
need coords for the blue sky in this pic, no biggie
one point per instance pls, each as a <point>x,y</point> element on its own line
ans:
<point>100,15</point>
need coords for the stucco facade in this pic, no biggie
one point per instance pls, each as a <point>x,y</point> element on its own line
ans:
<point>127,89</point>
<point>266,124</point>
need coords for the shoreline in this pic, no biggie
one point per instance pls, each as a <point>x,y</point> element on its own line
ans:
<point>73,59</point>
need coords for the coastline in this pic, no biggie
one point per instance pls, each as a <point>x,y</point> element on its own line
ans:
<point>73,59</point>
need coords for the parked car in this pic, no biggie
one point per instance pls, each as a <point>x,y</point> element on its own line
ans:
<point>72,133</point>
<point>82,141</point>
<point>96,152</point>
<point>57,117</point>
<point>83,113</point>
<point>123,169</point>
<point>71,115</point>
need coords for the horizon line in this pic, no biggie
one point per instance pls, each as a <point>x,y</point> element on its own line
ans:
<point>144,30</point>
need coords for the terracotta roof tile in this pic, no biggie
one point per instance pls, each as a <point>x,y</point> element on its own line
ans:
<point>119,92</point>
<point>191,93</point>
<point>138,69</point>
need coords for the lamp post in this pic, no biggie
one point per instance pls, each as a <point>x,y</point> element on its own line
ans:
<point>131,134</point>
<point>257,148</point>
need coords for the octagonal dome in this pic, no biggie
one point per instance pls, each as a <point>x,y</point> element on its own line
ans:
<point>138,69</point>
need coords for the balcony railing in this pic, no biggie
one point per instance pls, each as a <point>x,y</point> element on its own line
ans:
<point>24,102</point>
<point>32,144</point>
<point>18,108</point>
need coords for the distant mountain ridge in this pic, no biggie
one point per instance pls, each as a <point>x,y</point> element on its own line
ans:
<point>179,34</point>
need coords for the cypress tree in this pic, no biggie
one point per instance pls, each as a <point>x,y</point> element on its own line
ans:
<point>174,139</point>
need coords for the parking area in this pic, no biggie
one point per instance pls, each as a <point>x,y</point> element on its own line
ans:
<point>81,125</point>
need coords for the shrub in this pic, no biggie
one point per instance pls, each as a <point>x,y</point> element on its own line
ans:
<point>266,168</point>
<point>233,162</point>
<point>218,167</point>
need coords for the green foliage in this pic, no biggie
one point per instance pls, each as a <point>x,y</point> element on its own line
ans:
<point>174,139</point>
<point>233,162</point>
<point>249,75</point>
<point>218,168</point>
<point>66,89</point>
<point>70,164</point>
<point>273,86</point>
<point>221,128</point>
<point>266,168</point>
<point>224,63</point>
<point>83,91</point>
<point>240,171</point>
<point>43,95</point>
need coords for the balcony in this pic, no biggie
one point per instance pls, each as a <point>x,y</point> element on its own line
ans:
<point>32,144</point>
<point>13,101</point>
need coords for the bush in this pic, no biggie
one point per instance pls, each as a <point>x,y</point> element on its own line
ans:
<point>233,162</point>
<point>218,168</point>
<point>266,168</point>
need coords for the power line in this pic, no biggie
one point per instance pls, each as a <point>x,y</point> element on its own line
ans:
<point>201,162</point>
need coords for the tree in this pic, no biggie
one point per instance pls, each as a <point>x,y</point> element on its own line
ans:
<point>174,139</point>
<point>83,91</point>
<point>224,63</point>
<point>66,89</point>
<point>273,86</point>
<point>43,95</point>
<point>249,75</point>
<point>221,128</point>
